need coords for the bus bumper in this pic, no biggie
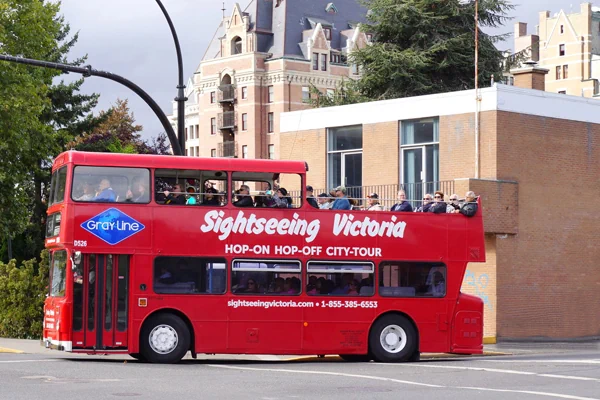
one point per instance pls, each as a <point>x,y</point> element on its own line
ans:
<point>56,344</point>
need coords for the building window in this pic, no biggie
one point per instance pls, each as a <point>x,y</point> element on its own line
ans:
<point>244,151</point>
<point>270,122</point>
<point>213,126</point>
<point>212,97</point>
<point>335,58</point>
<point>197,151</point>
<point>315,61</point>
<point>512,81</point>
<point>244,93</point>
<point>344,159</point>
<point>186,152</point>
<point>562,92</point>
<point>197,131</point>
<point>327,32</point>
<point>271,152</point>
<point>236,45</point>
<point>305,94</point>
<point>271,94</point>
<point>558,69</point>
<point>186,133</point>
<point>565,71</point>
<point>420,158</point>
<point>330,93</point>
<point>213,152</point>
<point>244,121</point>
<point>562,29</point>
<point>561,50</point>
<point>355,69</point>
<point>323,62</point>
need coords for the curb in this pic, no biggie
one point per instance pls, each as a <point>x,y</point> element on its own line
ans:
<point>13,351</point>
<point>489,340</point>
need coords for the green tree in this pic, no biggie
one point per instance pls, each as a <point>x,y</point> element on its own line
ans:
<point>22,295</point>
<point>346,92</point>
<point>117,133</point>
<point>63,113</point>
<point>427,46</point>
<point>27,28</point>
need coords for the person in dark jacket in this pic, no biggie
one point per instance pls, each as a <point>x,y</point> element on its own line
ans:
<point>439,205</point>
<point>402,204</point>
<point>427,203</point>
<point>243,197</point>
<point>310,197</point>
<point>469,208</point>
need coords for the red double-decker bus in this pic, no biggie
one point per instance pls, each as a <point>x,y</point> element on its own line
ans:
<point>155,256</point>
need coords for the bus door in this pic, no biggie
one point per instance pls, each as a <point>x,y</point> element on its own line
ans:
<point>100,302</point>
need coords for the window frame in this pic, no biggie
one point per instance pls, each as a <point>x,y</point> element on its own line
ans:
<point>213,97</point>
<point>323,62</point>
<point>244,92</point>
<point>244,121</point>
<point>198,174</point>
<point>270,93</point>
<point>269,147</point>
<point>226,277</point>
<point>213,126</point>
<point>562,51</point>
<point>255,270</point>
<point>270,122</point>
<point>372,272</point>
<point>315,61</point>
<point>150,185</point>
<point>55,182</point>
<point>434,264</point>
<point>64,278</point>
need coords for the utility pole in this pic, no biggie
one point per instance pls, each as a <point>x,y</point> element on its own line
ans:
<point>88,71</point>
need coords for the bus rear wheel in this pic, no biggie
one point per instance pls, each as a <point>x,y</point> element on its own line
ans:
<point>355,357</point>
<point>165,339</point>
<point>393,338</point>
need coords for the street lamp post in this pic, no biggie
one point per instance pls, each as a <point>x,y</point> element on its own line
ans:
<point>181,99</point>
<point>477,99</point>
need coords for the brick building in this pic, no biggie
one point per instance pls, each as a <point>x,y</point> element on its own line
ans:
<point>261,62</point>
<point>567,44</point>
<point>535,164</point>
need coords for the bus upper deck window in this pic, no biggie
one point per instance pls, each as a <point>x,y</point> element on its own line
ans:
<point>58,185</point>
<point>111,184</point>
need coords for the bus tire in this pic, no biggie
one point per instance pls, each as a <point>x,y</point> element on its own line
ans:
<point>165,339</point>
<point>393,338</point>
<point>355,357</point>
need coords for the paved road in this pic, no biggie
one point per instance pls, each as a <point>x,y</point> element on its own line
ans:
<point>533,372</point>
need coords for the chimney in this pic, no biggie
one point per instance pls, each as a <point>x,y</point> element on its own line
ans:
<point>520,29</point>
<point>530,76</point>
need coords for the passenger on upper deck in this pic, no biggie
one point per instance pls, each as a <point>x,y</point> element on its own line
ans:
<point>453,204</point>
<point>402,205</point>
<point>469,208</point>
<point>439,205</point>
<point>106,193</point>
<point>138,193</point>
<point>374,203</point>
<point>324,203</point>
<point>244,198</point>
<point>170,198</point>
<point>426,204</point>
<point>341,202</point>
<point>88,192</point>
<point>310,197</point>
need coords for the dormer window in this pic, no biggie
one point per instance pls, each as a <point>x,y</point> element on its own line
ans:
<point>327,32</point>
<point>236,45</point>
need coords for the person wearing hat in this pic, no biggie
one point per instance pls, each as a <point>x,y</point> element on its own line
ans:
<point>324,203</point>
<point>469,208</point>
<point>374,203</point>
<point>310,197</point>
<point>341,202</point>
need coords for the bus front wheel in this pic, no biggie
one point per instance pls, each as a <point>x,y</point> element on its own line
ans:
<point>393,338</point>
<point>165,339</point>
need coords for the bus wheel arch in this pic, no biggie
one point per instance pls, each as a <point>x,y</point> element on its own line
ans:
<point>394,324</point>
<point>177,323</point>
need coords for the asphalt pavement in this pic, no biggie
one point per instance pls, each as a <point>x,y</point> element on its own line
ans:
<point>512,371</point>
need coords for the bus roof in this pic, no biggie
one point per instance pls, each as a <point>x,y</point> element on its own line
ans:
<point>178,162</point>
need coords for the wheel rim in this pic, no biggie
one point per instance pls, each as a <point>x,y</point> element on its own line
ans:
<point>163,339</point>
<point>393,339</point>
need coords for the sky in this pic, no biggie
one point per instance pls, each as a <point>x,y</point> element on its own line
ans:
<point>131,38</point>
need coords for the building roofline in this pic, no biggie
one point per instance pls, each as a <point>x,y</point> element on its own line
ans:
<point>500,97</point>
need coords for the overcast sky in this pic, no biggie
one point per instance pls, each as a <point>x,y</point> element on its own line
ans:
<point>131,38</point>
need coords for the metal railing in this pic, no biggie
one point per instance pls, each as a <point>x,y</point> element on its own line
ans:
<point>226,93</point>
<point>227,149</point>
<point>227,120</point>
<point>388,194</point>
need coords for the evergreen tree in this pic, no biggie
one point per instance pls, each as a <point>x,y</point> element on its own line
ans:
<point>427,46</point>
